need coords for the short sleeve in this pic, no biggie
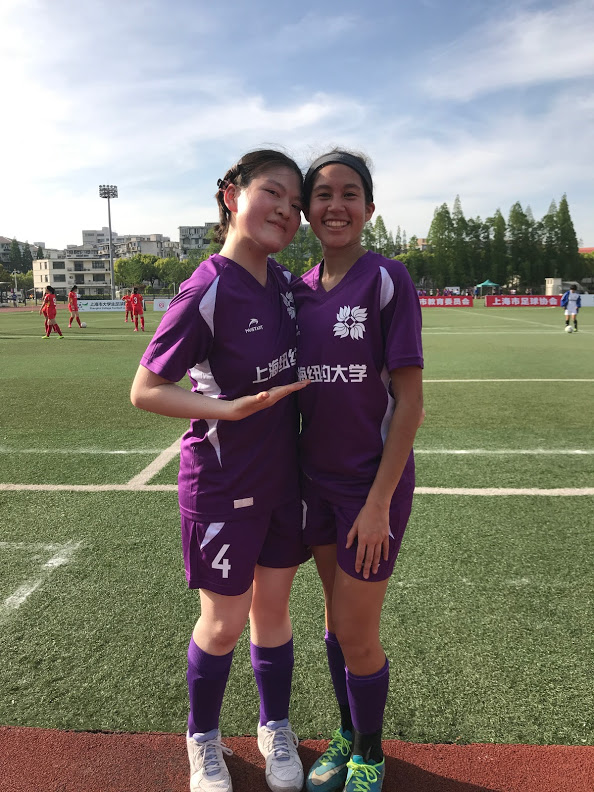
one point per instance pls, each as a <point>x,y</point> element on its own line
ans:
<point>182,339</point>
<point>401,319</point>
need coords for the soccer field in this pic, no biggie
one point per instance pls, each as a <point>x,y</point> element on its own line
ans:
<point>488,618</point>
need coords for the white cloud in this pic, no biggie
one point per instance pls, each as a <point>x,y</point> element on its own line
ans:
<point>521,49</point>
<point>314,30</point>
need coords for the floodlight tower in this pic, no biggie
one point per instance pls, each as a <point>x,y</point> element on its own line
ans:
<point>109,191</point>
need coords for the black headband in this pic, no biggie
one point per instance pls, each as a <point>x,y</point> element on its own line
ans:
<point>342,158</point>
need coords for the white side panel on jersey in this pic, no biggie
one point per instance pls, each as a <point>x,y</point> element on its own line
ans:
<point>213,530</point>
<point>387,291</point>
<point>208,386</point>
<point>385,375</point>
<point>207,304</point>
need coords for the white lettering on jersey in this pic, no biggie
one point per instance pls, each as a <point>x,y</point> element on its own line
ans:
<point>286,361</point>
<point>323,373</point>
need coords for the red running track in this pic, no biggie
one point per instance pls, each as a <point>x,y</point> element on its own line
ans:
<point>39,760</point>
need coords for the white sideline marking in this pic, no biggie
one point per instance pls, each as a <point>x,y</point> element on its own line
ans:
<point>155,466</point>
<point>506,379</point>
<point>493,491</point>
<point>89,487</point>
<point>62,556</point>
<point>504,491</point>
<point>123,452</point>
<point>492,332</point>
<point>506,451</point>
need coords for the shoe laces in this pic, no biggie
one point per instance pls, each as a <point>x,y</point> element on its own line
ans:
<point>363,776</point>
<point>338,745</point>
<point>212,752</point>
<point>284,741</point>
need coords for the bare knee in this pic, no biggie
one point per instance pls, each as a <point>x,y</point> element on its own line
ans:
<point>217,637</point>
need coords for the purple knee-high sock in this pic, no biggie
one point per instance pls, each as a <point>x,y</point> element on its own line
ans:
<point>337,668</point>
<point>273,669</point>
<point>367,699</point>
<point>207,678</point>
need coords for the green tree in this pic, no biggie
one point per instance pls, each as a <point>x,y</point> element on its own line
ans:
<point>16,259</point>
<point>414,259</point>
<point>569,258</point>
<point>398,242</point>
<point>381,237</point>
<point>27,258</point>
<point>368,236</point>
<point>458,266</point>
<point>172,271</point>
<point>213,247</point>
<point>549,241</point>
<point>25,281</point>
<point>497,262</point>
<point>441,242</point>
<point>40,253</point>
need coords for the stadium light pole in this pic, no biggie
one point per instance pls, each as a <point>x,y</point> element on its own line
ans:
<point>109,191</point>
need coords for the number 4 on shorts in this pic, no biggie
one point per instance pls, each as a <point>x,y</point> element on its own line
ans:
<point>222,563</point>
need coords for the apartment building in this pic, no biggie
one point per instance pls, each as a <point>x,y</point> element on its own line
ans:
<point>5,244</point>
<point>194,237</point>
<point>91,275</point>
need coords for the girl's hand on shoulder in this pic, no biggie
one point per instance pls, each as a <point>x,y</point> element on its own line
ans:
<point>248,405</point>
<point>372,531</point>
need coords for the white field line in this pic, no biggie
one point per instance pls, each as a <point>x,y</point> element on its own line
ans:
<point>493,492</point>
<point>507,379</point>
<point>60,558</point>
<point>129,487</point>
<point>474,332</point>
<point>155,466</point>
<point>74,451</point>
<point>507,451</point>
<point>489,492</point>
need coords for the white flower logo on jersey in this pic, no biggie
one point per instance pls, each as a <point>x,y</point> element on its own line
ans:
<point>289,302</point>
<point>350,322</point>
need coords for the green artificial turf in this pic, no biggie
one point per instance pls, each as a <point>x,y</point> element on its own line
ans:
<point>487,620</point>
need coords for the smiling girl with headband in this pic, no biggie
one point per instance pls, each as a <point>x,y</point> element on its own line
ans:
<point>360,345</point>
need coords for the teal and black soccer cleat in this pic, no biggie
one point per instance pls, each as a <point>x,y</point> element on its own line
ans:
<point>329,772</point>
<point>364,777</point>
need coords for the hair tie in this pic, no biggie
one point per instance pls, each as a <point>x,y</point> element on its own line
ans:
<point>222,184</point>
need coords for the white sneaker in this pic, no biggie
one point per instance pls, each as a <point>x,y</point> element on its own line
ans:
<point>284,771</point>
<point>207,767</point>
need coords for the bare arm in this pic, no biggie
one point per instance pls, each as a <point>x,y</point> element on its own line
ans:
<point>153,393</point>
<point>372,525</point>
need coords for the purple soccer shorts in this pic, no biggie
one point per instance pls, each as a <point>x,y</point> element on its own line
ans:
<point>326,522</point>
<point>221,556</point>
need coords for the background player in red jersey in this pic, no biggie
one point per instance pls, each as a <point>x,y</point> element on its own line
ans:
<point>136,303</point>
<point>48,309</point>
<point>126,299</point>
<point>73,306</point>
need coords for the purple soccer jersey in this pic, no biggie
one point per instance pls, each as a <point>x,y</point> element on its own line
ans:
<point>234,337</point>
<point>349,340</point>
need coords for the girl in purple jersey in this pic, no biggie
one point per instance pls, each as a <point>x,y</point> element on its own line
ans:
<point>359,344</point>
<point>232,329</point>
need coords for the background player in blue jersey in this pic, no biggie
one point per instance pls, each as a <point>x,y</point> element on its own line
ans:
<point>359,343</point>
<point>232,329</point>
<point>572,302</point>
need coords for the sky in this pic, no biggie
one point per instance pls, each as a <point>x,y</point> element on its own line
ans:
<point>493,102</point>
